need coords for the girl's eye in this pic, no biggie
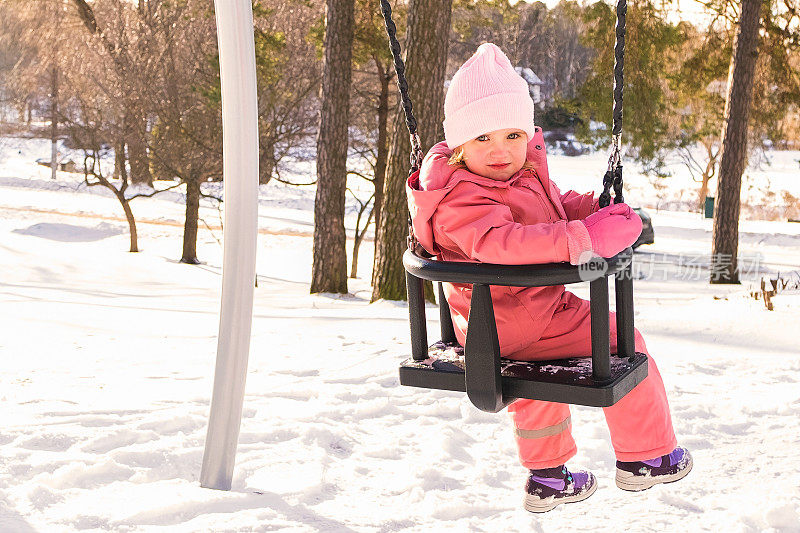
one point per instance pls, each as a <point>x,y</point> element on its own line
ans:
<point>482,138</point>
<point>514,135</point>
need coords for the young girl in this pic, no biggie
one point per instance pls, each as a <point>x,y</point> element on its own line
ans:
<point>484,195</point>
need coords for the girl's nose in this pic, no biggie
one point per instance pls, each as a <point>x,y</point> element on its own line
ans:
<point>498,147</point>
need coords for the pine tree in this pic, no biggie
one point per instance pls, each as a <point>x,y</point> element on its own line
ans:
<point>724,264</point>
<point>329,266</point>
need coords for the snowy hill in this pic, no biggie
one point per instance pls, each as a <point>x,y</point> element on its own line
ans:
<point>106,363</point>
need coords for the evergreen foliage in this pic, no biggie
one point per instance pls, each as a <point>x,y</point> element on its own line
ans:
<point>652,46</point>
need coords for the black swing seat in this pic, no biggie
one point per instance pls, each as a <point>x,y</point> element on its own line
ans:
<point>492,382</point>
<point>543,380</point>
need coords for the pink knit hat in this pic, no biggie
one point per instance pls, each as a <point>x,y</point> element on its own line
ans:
<point>486,94</point>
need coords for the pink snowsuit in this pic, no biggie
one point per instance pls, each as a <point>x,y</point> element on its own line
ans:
<point>461,216</point>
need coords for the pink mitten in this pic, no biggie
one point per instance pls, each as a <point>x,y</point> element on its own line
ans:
<point>612,229</point>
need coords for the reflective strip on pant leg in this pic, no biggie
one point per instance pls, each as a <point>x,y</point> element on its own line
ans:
<point>548,431</point>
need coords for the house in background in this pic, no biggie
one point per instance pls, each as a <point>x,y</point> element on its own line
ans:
<point>718,87</point>
<point>534,83</point>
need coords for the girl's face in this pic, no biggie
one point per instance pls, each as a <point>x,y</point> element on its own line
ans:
<point>497,155</point>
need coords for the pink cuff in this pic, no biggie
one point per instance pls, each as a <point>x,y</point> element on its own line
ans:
<point>578,242</point>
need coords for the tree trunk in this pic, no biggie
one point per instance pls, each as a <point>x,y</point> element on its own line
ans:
<point>54,122</point>
<point>266,160</point>
<point>124,202</point>
<point>427,40</point>
<point>701,196</point>
<point>383,138</point>
<point>709,172</point>
<point>358,238</point>
<point>354,264</point>
<point>22,110</point>
<point>126,206</point>
<point>329,265</point>
<point>137,149</point>
<point>724,263</point>
<point>388,274</point>
<point>120,170</point>
<point>190,224</point>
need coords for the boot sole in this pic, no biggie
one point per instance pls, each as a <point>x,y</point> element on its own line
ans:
<point>633,483</point>
<point>536,505</point>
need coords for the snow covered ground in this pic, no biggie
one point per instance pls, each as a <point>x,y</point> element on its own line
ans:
<point>106,362</point>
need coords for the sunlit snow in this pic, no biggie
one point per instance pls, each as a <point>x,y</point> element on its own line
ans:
<point>106,363</point>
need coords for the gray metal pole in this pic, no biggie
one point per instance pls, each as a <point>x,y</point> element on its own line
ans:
<point>240,169</point>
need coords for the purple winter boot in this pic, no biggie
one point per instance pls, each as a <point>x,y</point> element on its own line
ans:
<point>641,475</point>
<point>549,487</point>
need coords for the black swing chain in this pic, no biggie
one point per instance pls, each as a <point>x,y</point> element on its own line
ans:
<point>613,176</point>
<point>402,85</point>
<point>411,122</point>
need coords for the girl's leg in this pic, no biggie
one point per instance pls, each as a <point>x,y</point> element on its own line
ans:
<point>640,424</point>
<point>542,432</point>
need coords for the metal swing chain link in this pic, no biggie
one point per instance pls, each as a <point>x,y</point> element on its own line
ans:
<point>402,85</point>
<point>415,158</point>
<point>613,176</point>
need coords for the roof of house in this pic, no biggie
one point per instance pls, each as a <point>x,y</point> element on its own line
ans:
<point>529,75</point>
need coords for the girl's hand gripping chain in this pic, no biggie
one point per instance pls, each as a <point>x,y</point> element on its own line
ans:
<point>612,229</point>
